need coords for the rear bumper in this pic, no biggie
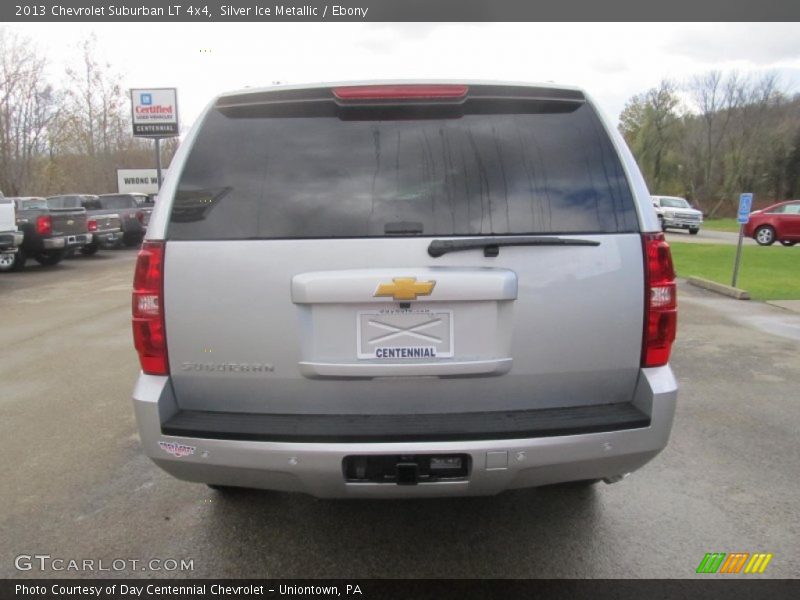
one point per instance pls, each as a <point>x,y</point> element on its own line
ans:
<point>10,240</point>
<point>67,241</point>
<point>683,223</point>
<point>106,237</point>
<point>497,464</point>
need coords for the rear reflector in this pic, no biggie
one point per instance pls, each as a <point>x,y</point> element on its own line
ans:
<point>660,310</point>
<point>401,92</point>
<point>149,333</point>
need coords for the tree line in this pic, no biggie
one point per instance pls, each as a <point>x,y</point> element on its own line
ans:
<point>69,136</point>
<point>715,136</point>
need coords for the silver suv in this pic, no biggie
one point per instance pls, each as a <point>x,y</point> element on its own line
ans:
<point>403,289</point>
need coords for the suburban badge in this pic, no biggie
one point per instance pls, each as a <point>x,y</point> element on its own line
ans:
<point>404,288</point>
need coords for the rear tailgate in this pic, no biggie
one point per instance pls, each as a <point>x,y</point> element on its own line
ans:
<point>68,221</point>
<point>298,278</point>
<point>568,333</point>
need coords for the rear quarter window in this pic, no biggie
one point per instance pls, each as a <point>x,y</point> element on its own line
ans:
<point>262,177</point>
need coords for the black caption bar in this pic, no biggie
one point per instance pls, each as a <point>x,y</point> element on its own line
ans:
<point>735,588</point>
<point>398,10</point>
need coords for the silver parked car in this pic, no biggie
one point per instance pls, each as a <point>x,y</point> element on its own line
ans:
<point>403,289</point>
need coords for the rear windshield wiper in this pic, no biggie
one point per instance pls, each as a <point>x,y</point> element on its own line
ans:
<point>491,245</point>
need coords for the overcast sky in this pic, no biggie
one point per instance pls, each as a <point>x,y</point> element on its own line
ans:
<point>610,61</point>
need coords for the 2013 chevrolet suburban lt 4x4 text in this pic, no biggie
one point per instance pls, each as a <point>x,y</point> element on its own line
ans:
<point>403,289</point>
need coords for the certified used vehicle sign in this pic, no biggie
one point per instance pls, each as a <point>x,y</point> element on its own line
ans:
<point>398,334</point>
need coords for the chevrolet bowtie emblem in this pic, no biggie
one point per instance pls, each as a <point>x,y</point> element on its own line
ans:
<point>404,288</point>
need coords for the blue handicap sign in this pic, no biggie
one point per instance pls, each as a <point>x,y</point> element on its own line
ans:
<point>745,204</point>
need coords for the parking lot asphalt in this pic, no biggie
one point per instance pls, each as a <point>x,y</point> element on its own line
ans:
<point>707,236</point>
<point>76,485</point>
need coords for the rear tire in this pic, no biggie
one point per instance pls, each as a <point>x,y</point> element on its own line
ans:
<point>765,235</point>
<point>131,240</point>
<point>19,260</point>
<point>90,249</point>
<point>49,259</point>
<point>224,489</point>
<point>694,231</point>
<point>7,262</point>
<point>581,483</point>
<point>787,243</point>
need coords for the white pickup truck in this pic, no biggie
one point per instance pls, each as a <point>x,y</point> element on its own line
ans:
<point>10,238</point>
<point>677,213</point>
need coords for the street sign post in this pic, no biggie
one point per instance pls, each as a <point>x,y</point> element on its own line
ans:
<point>154,113</point>
<point>742,216</point>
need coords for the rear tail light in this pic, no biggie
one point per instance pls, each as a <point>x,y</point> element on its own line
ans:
<point>140,216</point>
<point>92,225</point>
<point>401,92</point>
<point>44,225</point>
<point>149,333</point>
<point>660,308</point>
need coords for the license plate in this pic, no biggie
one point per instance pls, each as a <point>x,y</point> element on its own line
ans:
<point>404,334</point>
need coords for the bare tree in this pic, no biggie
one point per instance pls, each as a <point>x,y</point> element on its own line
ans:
<point>27,108</point>
<point>750,139</point>
<point>96,125</point>
<point>716,96</point>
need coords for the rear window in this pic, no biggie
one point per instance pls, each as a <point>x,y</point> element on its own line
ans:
<point>65,201</point>
<point>32,204</point>
<point>257,177</point>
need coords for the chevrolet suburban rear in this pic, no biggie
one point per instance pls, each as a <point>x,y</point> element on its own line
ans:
<point>403,289</point>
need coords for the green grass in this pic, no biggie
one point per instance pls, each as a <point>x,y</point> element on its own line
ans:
<point>722,225</point>
<point>768,272</point>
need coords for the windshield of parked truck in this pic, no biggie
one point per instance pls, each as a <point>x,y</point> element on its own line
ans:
<point>674,203</point>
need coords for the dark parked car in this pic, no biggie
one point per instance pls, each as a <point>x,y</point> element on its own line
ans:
<point>777,223</point>
<point>50,232</point>
<point>104,227</point>
<point>133,216</point>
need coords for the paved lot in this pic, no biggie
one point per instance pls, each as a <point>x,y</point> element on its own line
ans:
<point>707,236</point>
<point>75,484</point>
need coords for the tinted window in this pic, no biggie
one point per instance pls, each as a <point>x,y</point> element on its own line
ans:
<point>286,177</point>
<point>65,202</point>
<point>121,201</point>
<point>32,204</point>
<point>674,203</point>
<point>92,204</point>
